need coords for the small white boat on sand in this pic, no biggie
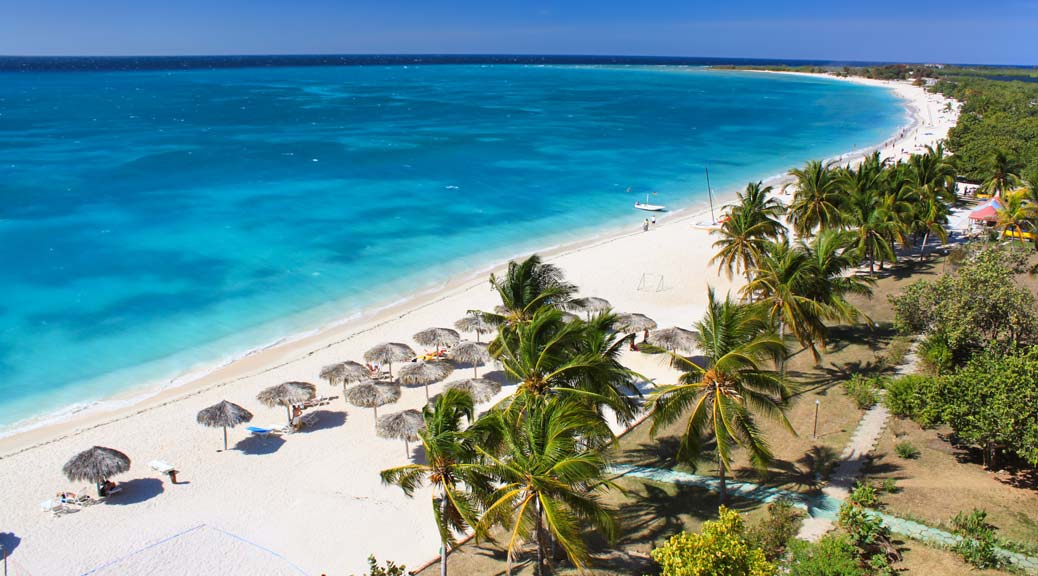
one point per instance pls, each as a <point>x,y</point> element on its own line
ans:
<point>649,207</point>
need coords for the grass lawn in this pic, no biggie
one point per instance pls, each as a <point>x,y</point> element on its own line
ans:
<point>920,558</point>
<point>945,480</point>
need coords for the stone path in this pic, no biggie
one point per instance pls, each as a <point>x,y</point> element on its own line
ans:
<point>821,507</point>
<point>854,457</point>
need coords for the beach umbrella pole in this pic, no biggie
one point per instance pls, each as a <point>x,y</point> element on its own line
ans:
<point>224,438</point>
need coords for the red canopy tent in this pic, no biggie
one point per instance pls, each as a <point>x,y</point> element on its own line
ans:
<point>987,212</point>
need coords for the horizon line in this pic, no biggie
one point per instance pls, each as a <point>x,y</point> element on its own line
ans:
<point>492,55</point>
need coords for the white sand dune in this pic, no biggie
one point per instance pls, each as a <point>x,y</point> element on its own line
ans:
<point>312,503</point>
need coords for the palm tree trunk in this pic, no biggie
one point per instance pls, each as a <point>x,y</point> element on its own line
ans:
<point>720,472</point>
<point>540,569</point>
<point>749,293</point>
<point>922,249</point>
<point>443,559</point>
<point>782,358</point>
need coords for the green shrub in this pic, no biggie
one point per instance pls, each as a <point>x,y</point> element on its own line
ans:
<point>862,391</point>
<point>863,495</point>
<point>897,350</point>
<point>864,529</point>
<point>879,565</point>
<point>390,569</point>
<point>977,545</point>
<point>890,486</point>
<point>720,548</point>
<point>773,533</point>
<point>902,397</point>
<point>906,450</point>
<point>937,354</point>
<point>833,555</point>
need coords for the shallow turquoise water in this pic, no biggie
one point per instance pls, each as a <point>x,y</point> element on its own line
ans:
<point>152,221</point>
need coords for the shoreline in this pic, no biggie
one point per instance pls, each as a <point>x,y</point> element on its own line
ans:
<point>71,420</point>
<point>277,505</point>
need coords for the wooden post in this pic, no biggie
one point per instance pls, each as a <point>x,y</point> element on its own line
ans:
<point>814,433</point>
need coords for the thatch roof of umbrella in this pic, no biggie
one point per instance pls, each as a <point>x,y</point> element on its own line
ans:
<point>480,389</point>
<point>345,372</point>
<point>471,353</point>
<point>372,395</point>
<point>568,317</point>
<point>475,322</point>
<point>635,322</point>
<point>96,465</point>
<point>589,304</point>
<point>225,414</point>
<point>424,373</point>
<point>437,337</point>
<point>401,426</point>
<point>674,339</point>
<point>389,352</point>
<point>287,394</point>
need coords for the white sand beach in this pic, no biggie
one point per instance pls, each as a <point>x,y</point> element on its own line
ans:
<point>312,502</point>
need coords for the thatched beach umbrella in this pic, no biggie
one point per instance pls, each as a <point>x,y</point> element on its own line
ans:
<point>401,426</point>
<point>372,395</point>
<point>589,304</point>
<point>223,415</point>
<point>345,373</point>
<point>471,353</point>
<point>475,322</point>
<point>96,465</point>
<point>480,389</point>
<point>674,339</point>
<point>287,395</point>
<point>424,373</point>
<point>438,337</point>
<point>389,352</point>
<point>634,323</point>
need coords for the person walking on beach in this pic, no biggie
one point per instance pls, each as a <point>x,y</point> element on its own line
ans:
<point>654,221</point>
<point>645,225</point>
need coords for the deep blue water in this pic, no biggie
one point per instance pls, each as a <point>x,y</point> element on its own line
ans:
<point>154,220</point>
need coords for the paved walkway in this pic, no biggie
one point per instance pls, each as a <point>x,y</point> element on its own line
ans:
<point>854,457</point>
<point>818,506</point>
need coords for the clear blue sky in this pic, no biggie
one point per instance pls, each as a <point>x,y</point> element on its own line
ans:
<point>973,31</point>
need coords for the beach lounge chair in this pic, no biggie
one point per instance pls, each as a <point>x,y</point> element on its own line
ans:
<point>268,430</point>
<point>308,419</point>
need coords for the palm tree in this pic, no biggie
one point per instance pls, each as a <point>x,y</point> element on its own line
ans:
<point>832,255</point>
<point>816,203</point>
<point>746,231</point>
<point>1003,173</point>
<point>579,359</point>
<point>783,282</point>
<point>526,287</point>
<point>757,199</point>
<point>931,216</point>
<point>933,184</point>
<point>549,481</point>
<point>722,398</point>
<point>450,468</point>
<point>873,209</point>
<point>1014,215</point>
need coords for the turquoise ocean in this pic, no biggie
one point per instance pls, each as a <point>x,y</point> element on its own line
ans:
<point>155,221</point>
